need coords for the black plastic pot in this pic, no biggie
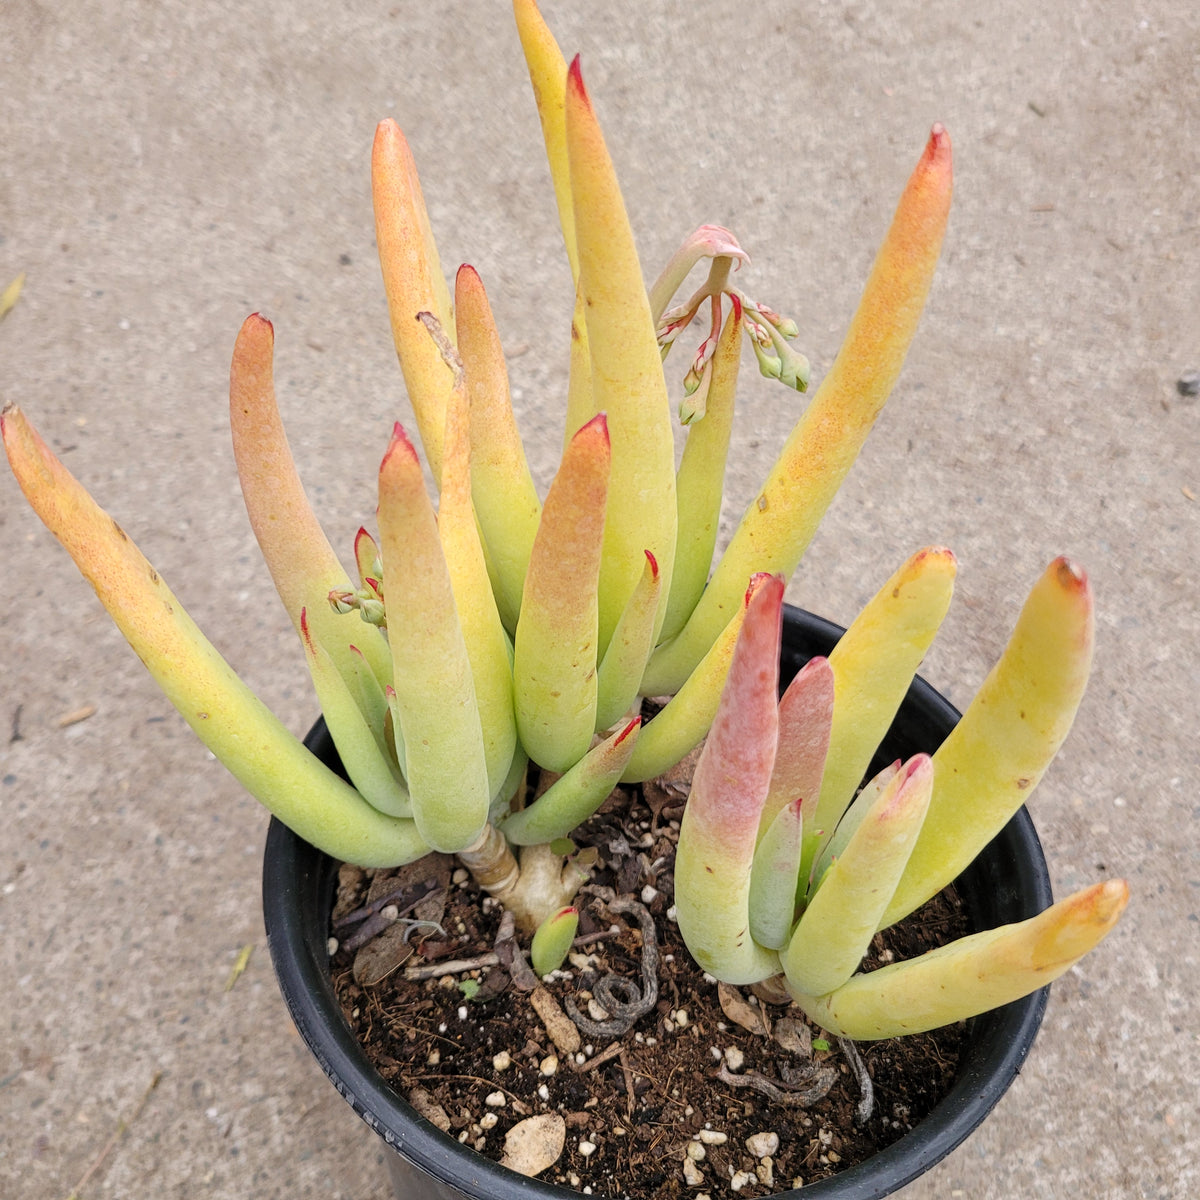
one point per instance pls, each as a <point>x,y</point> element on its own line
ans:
<point>1007,882</point>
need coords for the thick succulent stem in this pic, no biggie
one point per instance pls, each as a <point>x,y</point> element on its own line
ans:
<point>533,890</point>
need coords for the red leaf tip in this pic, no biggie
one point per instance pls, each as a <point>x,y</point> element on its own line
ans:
<point>627,731</point>
<point>575,80</point>
<point>653,563</point>
<point>1070,575</point>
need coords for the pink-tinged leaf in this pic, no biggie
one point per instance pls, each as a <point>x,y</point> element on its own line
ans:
<point>680,727</point>
<point>990,764</point>
<point>413,280</point>
<point>555,652</point>
<point>632,640</point>
<point>302,563</point>
<point>805,713</point>
<point>506,501</point>
<point>972,975</point>
<point>720,823</point>
<point>837,926</point>
<point>435,705</point>
<point>626,369</point>
<point>575,796</point>
<point>779,525</point>
<point>231,721</point>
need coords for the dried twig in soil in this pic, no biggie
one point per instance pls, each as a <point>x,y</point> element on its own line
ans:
<point>801,1095</point>
<point>623,1013</point>
<point>866,1103</point>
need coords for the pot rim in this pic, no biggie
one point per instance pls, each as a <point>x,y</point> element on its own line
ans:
<point>298,883</point>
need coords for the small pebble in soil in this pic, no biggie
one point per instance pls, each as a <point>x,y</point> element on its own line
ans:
<point>763,1144</point>
<point>502,1061</point>
<point>681,1017</point>
<point>696,1152</point>
<point>692,1175</point>
<point>549,1065</point>
<point>740,1179</point>
<point>488,1121</point>
<point>331,946</point>
<point>734,1058</point>
<point>1188,384</point>
<point>712,1137</point>
<point>544,1092</point>
<point>462,1012</point>
<point>435,1057</point>
<point>495,1100</point>
<point>766,1171</point>
<point>460,876</point>
<point>649,894</point>
<point>587,1149</point>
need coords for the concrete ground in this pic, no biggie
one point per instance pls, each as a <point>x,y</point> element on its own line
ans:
<point>168,168</point>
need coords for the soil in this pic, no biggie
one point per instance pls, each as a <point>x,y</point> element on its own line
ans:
<point>635,1107</point>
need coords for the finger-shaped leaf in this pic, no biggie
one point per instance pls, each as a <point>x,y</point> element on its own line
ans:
<point>626,369</point>
<point>413,280</point>
<point>302,563</point>
<point>778,526</point>
<point>700,482</point>
<point>505,499</point>
<point>773,879</point>
<point>444,760</point>
<point>972,975</point>
<point>681,725</point>
<point>720,822</point>
<point>231,721</point>
<point>360,745</point>
<point>835,847</point>
<point>482,630</point>
<point>548,75</point>
<point>575,796</point>
<point>873,665</point>
<point>805,713</point>
<point>625,659</point>
<point>992,761</point>
<point>554,663</point>
<point>836,928</point>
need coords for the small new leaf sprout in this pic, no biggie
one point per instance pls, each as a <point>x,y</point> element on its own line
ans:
<point>552,941</point>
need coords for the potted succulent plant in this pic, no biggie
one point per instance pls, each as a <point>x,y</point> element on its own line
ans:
<point>506,638</point>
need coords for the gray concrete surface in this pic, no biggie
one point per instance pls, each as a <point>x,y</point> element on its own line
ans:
<point>167,168</point>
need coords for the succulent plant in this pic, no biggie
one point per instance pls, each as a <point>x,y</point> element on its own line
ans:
<point>504,629</point>
<point>785,866</point>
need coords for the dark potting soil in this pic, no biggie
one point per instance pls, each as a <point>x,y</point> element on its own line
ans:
<point>644,1113</point>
